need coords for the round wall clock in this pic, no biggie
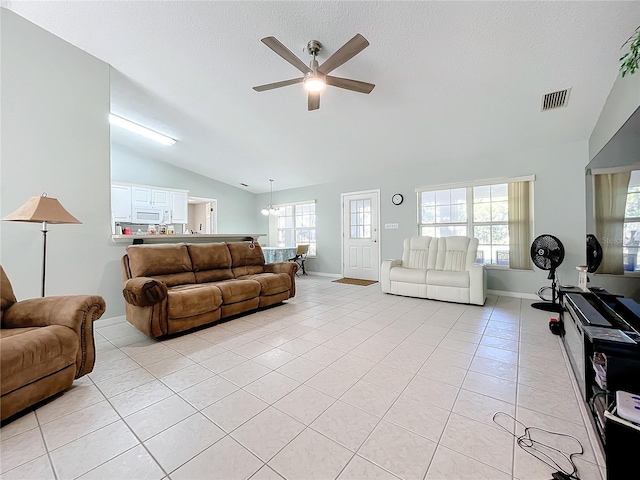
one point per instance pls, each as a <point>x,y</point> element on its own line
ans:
<point>397,199</point>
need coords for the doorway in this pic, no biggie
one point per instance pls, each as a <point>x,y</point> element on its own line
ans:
<point>203,215</point>
<point>360,228</point>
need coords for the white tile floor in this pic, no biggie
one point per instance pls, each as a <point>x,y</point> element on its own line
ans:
<point>340,382</point>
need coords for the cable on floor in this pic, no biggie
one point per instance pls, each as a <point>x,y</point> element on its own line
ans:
<point>535,448</point>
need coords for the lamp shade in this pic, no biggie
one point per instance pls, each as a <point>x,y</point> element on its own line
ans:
<point>42,209</point>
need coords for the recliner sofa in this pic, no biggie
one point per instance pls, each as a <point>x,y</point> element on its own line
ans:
<point>174,287</point>
<point>438,269</point>
<point>45,343</point>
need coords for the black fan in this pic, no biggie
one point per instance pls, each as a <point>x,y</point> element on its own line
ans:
<point>594,253</point>
<point>547,253</point>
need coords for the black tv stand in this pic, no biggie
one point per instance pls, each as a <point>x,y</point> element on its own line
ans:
<point>602,340</point>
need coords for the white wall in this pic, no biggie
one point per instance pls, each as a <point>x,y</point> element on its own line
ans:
<point>622,102</point>
<point>236,207</point>
<point>558,204</point>
<point>55,139</point>
<point>197,217</point>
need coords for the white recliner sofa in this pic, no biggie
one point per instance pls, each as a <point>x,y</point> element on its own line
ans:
<point>438,269</point>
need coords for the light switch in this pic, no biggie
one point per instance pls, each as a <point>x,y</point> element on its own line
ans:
<point>390,226</point>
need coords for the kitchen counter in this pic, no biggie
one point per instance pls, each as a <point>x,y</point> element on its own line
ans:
<point>187,238</point>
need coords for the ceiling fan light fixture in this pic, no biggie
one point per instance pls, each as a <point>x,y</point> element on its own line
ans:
<point>314,83</point>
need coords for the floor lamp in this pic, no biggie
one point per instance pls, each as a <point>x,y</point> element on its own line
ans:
<point>43,210</point>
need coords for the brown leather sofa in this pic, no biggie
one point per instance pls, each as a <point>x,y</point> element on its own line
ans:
<point>170,288</point>
<point>45,343</point>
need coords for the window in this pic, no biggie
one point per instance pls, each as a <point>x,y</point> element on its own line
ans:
<point>631,232</point>
<point>491,223</point>
<point>481,211</point>
<point>360,218</point>
<point>293,225</point>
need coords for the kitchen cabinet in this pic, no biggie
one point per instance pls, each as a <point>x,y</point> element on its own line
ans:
<point>121,203</point>
<point>179,206</point>
<point>127,199</point>
<point>142,196</point>
<point>160,198</point>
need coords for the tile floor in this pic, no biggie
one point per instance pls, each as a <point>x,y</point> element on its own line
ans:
<point>340,382</point>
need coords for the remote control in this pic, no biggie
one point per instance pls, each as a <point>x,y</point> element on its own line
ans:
<point>628,406</point>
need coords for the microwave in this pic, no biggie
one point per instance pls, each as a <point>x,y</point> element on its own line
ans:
<point>150,215</point>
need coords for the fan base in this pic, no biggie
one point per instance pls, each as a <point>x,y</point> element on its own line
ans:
<point>547,306</point>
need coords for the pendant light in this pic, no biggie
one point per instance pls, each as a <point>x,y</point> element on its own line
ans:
<point>270,209</point>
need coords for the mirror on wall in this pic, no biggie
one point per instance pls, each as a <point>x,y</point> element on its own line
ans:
<point>613,199</point>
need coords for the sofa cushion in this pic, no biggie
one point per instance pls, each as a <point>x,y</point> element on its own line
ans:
<point>270,283</point>
<point>419,252</point>
<point>246,260</point>
<point>29,354</point>
<point>446,278</point>
<point>169,262</point>
<point>234,291</point>
<point>456,253</point>
<point>409,275</point>
<point>189,300</point>
<point>211,261</point>
<point>7,298</point>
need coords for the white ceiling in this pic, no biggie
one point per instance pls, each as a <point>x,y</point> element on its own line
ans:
<point>454,80</point>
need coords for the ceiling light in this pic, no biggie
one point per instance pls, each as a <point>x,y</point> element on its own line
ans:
<point>140,130</point>
<point>270,209</point>
<point>314,84</point>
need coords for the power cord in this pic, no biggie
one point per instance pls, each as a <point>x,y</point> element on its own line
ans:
<point>533,447</point>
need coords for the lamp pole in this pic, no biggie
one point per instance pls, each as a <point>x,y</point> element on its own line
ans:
<point>44,253</point>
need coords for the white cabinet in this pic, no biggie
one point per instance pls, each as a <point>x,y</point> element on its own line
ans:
<point>179,207</point>
<point>141,196</point>
<point>150,197</point>
<point>147,204</point>
<point>160,198</point>
<point>121,203</point>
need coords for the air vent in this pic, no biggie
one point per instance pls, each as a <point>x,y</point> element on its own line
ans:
<point>244,184</point>
<point>555,100</point>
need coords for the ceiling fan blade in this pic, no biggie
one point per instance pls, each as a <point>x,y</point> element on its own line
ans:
<point>348,84</point>
<point>314,100</point>
<point>344,53</point>
<point>285,53</point>
<point>284,83</point>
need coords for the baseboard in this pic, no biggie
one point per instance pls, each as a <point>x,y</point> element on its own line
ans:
<point>322,274</point>
<point>504,293</point>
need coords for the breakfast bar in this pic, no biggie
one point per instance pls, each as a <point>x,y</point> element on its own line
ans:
<point>191,238</point>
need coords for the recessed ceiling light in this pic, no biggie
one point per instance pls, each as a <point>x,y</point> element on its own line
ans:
<point>140,130</point>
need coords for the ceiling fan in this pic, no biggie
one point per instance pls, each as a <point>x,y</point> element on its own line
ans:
<point>317,76</point>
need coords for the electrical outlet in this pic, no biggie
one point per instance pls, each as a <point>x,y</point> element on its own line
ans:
<point>390,226</point>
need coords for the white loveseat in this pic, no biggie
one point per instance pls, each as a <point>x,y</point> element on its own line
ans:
<point>437,268</point>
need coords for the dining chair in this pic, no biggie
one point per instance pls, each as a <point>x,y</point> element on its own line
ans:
<point>301,256</point>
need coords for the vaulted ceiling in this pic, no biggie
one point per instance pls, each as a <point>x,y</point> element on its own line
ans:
<point>454,80</point>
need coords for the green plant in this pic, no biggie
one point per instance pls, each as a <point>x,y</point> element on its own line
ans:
<point>630,61</point>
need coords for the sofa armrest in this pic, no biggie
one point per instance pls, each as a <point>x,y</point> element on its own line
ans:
<point>144,291</point>
<point>290,268</point>
<point>77,312</point>
<point>385,269</point>
<point>477,284</point>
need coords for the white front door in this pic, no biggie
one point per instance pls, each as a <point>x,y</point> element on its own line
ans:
<point>360,247</point>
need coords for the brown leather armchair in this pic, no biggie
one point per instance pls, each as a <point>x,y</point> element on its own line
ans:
<point>45,343</point>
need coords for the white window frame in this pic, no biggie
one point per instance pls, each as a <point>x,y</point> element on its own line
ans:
<point>273,226</point>
<point>626,247</point>
<point>470,223</point>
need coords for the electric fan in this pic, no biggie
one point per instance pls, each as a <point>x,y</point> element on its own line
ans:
<point>594,253</point>
<point>547,253</point>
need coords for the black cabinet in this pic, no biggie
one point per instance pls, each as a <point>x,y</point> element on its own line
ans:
<point>604,352</point>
